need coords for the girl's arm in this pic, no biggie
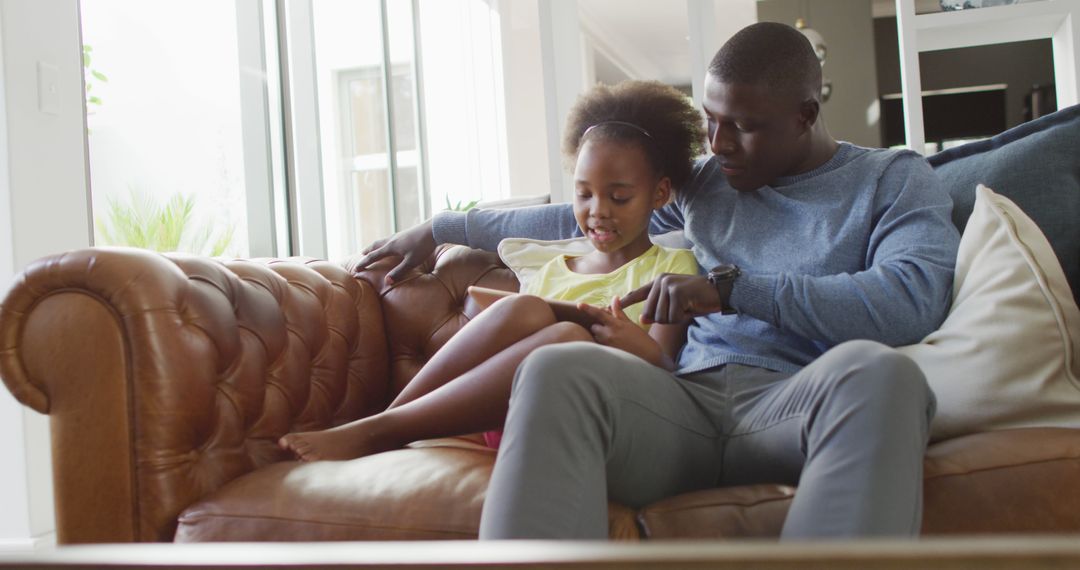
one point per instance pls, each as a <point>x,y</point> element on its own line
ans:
<point>671,337</point>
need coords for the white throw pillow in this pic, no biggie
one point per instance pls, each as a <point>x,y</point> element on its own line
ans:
<point>1005,357</point>
<point>526,256</point>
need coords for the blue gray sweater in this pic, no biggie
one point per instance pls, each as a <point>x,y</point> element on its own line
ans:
<point>862,247</point>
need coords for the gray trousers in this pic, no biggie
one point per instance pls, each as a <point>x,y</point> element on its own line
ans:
<point>588,423</point>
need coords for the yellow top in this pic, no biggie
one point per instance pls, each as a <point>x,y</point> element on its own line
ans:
<point>554,280</point>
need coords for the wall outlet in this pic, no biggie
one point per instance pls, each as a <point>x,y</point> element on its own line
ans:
<point>48,88</point>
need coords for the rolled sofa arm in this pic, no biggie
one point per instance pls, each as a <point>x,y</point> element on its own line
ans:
<point>166,376</point>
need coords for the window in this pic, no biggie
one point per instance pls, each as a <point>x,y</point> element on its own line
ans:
<point>464,107</point>
<point>448,149</point>
<point>371,210</point>
<point>370,191</point>
<point>210,133</point>
<point>169,131</point>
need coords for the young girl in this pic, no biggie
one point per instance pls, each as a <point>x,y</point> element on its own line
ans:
<point>630,145</point>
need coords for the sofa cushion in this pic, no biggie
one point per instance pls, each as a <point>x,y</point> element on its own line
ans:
<point>399,495</point>
<point>971,485</point>
<point>1009,481</point>
<point>1006,355</point>
<point>433,490</point>
<point>748,511</point>
<point>1036,165</point>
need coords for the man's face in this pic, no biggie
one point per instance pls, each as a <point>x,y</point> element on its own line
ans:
<point>757,135</point>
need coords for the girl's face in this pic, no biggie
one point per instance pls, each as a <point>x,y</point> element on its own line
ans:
<point>615,193</point>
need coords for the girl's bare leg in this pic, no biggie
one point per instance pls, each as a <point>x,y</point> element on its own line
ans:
<point>475,400</point>
<point>503,323</point>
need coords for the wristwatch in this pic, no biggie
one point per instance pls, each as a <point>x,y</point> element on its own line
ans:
<point>723,278</point>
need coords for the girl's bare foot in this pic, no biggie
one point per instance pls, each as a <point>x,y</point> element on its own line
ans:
<point>348,441</point>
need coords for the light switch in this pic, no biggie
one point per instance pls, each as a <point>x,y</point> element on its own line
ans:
<point>48,88</point>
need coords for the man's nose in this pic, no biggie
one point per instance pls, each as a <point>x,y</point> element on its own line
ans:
<point>722,144</point>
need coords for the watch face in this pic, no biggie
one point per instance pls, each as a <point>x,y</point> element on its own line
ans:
<point>723,271</point>
<point>723,278</point>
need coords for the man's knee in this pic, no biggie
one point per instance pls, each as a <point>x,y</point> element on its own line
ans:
<point>556,369</point>
<point>556,384</point>
<point>876,358</point>
<point>875,371</point>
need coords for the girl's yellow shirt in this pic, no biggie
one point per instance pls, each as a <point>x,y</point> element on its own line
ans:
<point>554,280</point>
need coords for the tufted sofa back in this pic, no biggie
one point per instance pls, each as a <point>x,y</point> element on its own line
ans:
<point>172,375</point>
<point>179,373</point>
<point>168,378</point>
<point>426,308</point>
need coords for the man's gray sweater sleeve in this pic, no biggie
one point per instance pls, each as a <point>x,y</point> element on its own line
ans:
<point>484,228</point>
<point>904,293</point>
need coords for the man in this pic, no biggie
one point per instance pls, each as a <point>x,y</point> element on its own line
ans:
<point>822,253</point>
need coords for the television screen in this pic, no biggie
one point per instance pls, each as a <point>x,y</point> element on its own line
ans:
<point>947,115</point>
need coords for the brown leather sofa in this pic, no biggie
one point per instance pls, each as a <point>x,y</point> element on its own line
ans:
<point>168,380</point>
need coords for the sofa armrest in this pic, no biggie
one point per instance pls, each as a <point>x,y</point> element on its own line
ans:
<point>166,376</point>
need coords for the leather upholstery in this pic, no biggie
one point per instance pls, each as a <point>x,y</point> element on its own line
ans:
<point>426,308</point>
<point>1011,481</point>
<point>434,493</point>
<point>168,380</point>
<point>746,511</point>
<point>168,376</point>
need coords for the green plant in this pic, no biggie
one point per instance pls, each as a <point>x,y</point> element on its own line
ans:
<point>142,222</point>
<point>459,207</point>
<point>90,74</point>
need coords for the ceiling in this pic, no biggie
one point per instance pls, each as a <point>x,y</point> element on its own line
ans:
<point>650,40</point>
<point>645,38</point>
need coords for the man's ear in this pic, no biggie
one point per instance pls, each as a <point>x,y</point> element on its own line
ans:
<point>662,194</point>
<point>809,111</point>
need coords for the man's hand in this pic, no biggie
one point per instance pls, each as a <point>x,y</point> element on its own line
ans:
<point>413,245</point>
<point>675,298</point>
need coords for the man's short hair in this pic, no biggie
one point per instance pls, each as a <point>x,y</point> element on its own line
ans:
<point>770,54</point>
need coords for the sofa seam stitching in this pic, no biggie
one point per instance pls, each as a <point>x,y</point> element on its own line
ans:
<point>196,518</point>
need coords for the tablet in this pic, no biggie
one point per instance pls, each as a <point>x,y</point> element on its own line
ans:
<point>563,310</point>
<point>486,296</point>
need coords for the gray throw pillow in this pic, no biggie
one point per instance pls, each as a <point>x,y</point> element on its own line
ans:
<point>1037,166</point>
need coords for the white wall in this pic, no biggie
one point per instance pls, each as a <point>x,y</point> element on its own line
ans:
<point>641,39</point>
<point>848,29</point>
<point>526,142</point>
<point>710,24</point>
<point>43,192</point>
<point>15,511</point>
<point>463,101</point>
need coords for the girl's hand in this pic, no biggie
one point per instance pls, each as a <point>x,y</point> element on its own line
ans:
<point>615,329</point>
